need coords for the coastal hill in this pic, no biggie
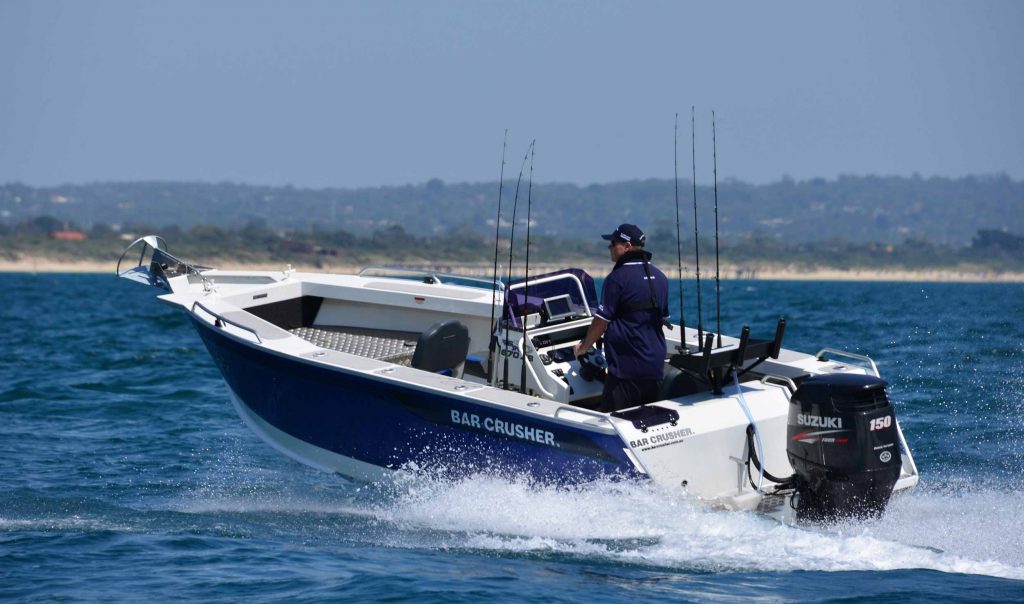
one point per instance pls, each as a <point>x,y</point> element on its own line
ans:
<point>970,225</point>
<point>858,209</point>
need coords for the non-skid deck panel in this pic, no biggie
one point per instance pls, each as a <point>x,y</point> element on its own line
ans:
<point>382,344</point>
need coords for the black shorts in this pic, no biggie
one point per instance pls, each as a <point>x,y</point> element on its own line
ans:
<point>623,394</point>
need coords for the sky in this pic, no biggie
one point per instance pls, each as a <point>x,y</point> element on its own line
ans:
<point>361,94</point>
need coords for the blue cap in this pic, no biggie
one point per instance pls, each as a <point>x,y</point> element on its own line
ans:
<point>627,232</point>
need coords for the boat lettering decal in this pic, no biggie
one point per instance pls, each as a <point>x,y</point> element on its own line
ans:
<point>881,423</point>
<point>812,437</point>
<point>514,352</point>
<point>660,439</point>
<point>817,421</point>
<point>439,411</point>
<point>499,426</point>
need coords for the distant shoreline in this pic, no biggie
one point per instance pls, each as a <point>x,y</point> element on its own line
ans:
<point>761,273</point>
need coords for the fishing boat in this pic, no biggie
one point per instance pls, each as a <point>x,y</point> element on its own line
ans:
<point>387,371</point>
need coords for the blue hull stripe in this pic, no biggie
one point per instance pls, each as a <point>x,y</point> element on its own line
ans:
<point>392,425</point>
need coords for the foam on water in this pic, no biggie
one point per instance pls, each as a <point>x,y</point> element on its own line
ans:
<point>74,523</point>
<point>958,527</point>
<point>953,530</point>
<point>973,532</point>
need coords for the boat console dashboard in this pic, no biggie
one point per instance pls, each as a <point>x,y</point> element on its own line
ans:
<point>552,314</point>
<point>554,371</point>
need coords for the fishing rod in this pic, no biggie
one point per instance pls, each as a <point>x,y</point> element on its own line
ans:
<point>718,282</point>
<point>696,239</point>
<point>526,277</point>
<point>511,241</point>
<point>679,242</point>
<point>492,347</point>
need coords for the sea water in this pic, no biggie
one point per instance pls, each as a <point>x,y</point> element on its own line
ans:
<point>125,474</point>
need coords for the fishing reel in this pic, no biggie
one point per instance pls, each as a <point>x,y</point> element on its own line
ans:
<point>593,365</point>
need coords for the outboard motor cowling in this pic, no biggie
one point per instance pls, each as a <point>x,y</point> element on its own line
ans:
<point>843,445</point>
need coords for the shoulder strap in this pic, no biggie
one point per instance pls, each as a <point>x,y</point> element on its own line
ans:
<point>652,303</point>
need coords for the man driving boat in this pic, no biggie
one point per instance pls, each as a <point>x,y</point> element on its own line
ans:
<point>634,302</point>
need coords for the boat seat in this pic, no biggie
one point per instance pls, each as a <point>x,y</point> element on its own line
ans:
<point>442,348</point>
<point>677,382</point>
<point>475,367</point>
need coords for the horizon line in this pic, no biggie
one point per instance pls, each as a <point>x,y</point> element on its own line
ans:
<point>784,179</point>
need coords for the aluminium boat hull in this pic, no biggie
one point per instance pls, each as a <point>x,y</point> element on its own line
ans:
<point>365,426</point>
<point>367,375</point>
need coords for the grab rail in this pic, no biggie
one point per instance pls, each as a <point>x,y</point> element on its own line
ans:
<point>224,319</point>
<point>550,278</point>
<point>155,242</point>
<point>851,355</point>
<point>605,419</point>
<point>779,380</point>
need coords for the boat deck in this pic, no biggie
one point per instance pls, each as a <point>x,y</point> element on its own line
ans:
<point>381,344</point>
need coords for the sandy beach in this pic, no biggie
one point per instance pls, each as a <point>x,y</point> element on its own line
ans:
<point>765,271</point>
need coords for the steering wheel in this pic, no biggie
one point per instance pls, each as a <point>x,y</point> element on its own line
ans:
<point>592,364</point>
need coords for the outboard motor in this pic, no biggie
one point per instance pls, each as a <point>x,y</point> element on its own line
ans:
<point>844,446</point>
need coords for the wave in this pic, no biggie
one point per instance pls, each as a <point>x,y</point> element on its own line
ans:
<point>966,532</point>
<point>951,530</point>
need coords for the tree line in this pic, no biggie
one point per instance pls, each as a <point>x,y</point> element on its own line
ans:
<point>860,209</point>
<point>990,249</point>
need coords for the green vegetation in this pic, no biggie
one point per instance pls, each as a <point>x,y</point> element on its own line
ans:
<point>989,250</point>
<point>913,223</point>
<point>861,209</point>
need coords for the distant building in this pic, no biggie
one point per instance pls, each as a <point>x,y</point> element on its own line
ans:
<point>68,235</point>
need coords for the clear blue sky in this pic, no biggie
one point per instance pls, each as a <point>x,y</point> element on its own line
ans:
<point>348,94</point>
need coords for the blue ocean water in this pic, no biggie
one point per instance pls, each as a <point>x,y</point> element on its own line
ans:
<point>125,474</point>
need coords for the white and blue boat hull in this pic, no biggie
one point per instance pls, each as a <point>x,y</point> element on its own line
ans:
<point>363,426</point>
<point>366,375</point>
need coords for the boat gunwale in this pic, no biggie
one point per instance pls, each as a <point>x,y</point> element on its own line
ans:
<point>385,373</point>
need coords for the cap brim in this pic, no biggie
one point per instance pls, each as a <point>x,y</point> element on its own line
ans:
<point>608,237</point>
